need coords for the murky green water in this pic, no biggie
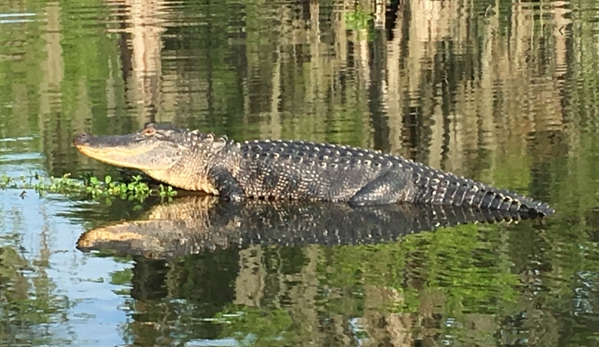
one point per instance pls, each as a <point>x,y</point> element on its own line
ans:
<point>502,92</point>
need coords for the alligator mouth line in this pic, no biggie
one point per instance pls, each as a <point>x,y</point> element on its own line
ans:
<point>98,152</point>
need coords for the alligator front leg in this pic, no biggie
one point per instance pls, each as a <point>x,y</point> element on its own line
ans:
<point>388,188</point>
<point>228,187</point>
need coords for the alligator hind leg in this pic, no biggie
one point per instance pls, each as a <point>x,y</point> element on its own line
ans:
<point>388,188</point>
<point>227,186</point>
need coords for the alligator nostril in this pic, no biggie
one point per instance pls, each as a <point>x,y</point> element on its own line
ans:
<point>81,139</point>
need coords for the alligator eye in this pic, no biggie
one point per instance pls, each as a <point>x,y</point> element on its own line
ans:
<point>148,131</point>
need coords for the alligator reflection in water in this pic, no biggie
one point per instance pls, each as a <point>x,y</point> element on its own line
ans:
<point>196,223</point>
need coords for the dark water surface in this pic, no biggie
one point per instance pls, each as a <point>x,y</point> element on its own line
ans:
<point>503,92</point>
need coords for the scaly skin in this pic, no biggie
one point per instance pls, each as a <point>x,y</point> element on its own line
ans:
<point>197,224</point>
<point>292,170</point>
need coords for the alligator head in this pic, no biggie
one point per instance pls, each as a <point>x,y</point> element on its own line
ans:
<point>164,152</point>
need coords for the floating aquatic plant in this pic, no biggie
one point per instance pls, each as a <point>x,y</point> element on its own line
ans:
<point>89,185</point>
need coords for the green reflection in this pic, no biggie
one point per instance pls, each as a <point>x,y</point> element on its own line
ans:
<point>505,92</point>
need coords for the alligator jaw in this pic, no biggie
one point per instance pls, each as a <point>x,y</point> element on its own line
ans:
<point>128,151</point>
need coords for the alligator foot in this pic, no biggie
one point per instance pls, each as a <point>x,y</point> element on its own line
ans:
<point>228,187</point>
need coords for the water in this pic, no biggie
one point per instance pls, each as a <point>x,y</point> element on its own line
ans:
<point>502,92</point>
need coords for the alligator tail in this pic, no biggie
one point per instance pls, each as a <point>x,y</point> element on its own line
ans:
<point>440,188</point>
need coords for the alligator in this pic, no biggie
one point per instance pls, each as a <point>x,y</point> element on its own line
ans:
<point>292,170</point>
<point>197,224</point>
